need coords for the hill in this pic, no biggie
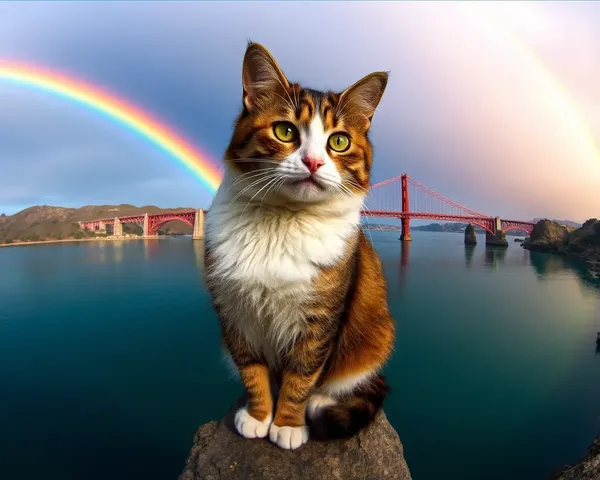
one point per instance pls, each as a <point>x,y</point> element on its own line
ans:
<point>44,222</point>
<point>456,227</point>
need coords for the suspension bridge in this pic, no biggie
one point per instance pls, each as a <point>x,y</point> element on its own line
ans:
<point>407,199</point>
<point>401,197</point>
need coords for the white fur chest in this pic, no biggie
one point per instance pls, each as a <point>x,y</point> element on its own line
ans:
<point>265,259</point>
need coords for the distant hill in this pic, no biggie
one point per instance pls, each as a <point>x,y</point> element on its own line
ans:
<point>456,227</point>
<point>442,227</point>
<point>44,222</point>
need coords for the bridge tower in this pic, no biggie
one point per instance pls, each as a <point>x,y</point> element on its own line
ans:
<point>146,231</point>
<point>117,227</point>
<point>198,225</point>
<point>405,235</point>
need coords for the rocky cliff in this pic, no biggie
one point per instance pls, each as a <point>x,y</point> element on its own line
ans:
<point>220,453</point>
<point>583,242</point>
<point>547,236</point>
<point>587,469</point>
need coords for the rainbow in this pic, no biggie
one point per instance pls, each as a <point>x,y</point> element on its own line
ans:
<point>120,112</point>
<point>556,93</point>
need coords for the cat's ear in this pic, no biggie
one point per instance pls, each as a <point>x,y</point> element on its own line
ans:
<point>261,75</point>
<point>364,96</point>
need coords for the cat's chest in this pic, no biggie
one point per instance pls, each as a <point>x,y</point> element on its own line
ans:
<point>263,266</point>
<point>270,249</point>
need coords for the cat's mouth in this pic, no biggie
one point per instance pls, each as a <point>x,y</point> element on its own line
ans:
<point>309,181</point>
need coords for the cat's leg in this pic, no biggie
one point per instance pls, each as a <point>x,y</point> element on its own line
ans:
<point>304,365</point>
<point>254,419</point>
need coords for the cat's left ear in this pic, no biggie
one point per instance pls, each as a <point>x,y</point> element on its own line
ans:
<point>261,76</point>
<point>365,95</point>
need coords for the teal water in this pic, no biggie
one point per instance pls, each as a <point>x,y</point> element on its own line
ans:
<point>110,359</point>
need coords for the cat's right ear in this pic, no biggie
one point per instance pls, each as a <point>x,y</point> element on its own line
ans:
<point>261,76</point>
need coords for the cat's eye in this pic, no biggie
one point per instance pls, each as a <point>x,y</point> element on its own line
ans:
<point>285,131</point>
<point>339,142</point>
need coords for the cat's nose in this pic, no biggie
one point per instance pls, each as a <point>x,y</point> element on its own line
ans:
<point>312,163</point>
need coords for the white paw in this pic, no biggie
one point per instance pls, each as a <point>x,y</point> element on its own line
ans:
<point>289,438</point>
<point>318,402</point>
<point>249,427</point>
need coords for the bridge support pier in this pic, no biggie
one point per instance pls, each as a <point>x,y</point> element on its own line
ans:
<point>498,238</point>
<point>198,225</point>
<point>146,228</point>
<point>118,227</point>
<point>405,235</point>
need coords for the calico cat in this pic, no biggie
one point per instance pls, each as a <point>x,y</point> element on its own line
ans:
<point>298,288</point>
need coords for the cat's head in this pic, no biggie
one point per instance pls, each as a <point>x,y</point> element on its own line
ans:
<point>297,145</point>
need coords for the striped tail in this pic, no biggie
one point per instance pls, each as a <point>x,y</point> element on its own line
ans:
<point>351,414</point>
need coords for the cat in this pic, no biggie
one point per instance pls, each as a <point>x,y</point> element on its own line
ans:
<point>298,288</point>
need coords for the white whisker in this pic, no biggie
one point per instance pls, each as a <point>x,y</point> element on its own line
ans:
<point>267,176</point>
<point>260,190</point>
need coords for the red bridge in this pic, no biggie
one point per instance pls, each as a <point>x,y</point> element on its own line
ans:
<point>402,197</point>
<point>150,223</point>
<point>405,198</point>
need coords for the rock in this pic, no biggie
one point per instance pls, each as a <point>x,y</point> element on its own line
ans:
<point>519,240</point>
<point>583,242</point>
<point>593,265</point>
<point>586,469</point>
<point>547,236</point>
<point>220,453</point>
<point>470,236</point>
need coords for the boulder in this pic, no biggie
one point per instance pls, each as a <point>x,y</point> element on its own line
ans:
<point>587,469</point>
<point>547,236</point>
<point>470,236</point>
<point>583,242</point>
<point>219,452</point>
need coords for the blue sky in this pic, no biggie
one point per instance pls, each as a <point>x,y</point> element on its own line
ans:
<point>492,106</point>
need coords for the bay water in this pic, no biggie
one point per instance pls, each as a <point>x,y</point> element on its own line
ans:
<point>110,358</point>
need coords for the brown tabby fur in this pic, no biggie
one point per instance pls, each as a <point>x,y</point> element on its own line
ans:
<point>347,329</point>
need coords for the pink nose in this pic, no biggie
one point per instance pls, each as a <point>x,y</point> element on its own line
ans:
<point>312,163</point>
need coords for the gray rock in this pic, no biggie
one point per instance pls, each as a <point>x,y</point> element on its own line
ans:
<point>470,236</point>
<point>587,469</point>
<point>220,453</point>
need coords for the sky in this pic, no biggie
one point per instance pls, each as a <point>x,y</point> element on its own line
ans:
<point>496,106</point>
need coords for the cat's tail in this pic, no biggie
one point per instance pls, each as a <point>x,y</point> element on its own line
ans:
<point>351,413</point>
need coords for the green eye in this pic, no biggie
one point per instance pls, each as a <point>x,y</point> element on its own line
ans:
<point>339,142</point>
<point>285,131</point>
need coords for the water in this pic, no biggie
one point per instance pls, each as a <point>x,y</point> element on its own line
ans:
<point>110,359</point>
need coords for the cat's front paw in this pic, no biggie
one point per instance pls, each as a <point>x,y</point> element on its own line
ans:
<point>249,427</point>
<point>289,438</point>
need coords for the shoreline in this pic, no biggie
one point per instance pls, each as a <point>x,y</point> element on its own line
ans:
<point>65,240</point>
